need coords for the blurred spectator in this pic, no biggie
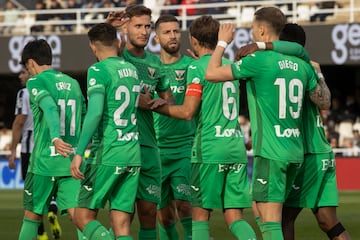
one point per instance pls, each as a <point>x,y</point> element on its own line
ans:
<point>245,129</point>
<point>213,10</point>
<point>71,4</point>
<point>335,112</point>
<point>322,16</point>
<point>5,137</point>
<point>54,5</point>
<point>351,149</point>
<point>10,17</point>
<point>40,5</point>
<point>173,12</point>
<point>356,138</point>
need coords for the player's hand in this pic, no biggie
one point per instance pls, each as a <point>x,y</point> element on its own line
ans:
<point>63,148</point>
<point>246,50</point>
<point>155,103</point>
<point>75,167</point>
<point>226,32</point>
<point>144,99</point>
<point>12,160</point>
<point>117,19</point>
<point>122,43</point>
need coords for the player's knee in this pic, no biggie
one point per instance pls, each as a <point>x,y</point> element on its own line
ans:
<point>335,231</point>
<point>184,208</point>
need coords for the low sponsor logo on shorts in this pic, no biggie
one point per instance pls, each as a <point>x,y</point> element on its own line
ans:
<point>153,190</point>
<point>28,192</point>
<point>183,189</point>
<point>87,188</point>
<point>262,181</point>
<point>295,187</point>
<point>196,189</point>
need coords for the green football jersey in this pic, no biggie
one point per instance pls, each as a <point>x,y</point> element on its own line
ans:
<point>276,88</point>
<point>173,134</point>
<point>149,70</point>
<point>67,94</point>
<point>115,142</point>
<point>218,137</point>
<point>314,135</point>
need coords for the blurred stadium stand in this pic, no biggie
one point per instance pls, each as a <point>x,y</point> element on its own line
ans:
<point>305,12</point>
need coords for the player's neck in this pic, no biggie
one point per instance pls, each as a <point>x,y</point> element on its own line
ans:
<point>169,58</point>
<point>136,51</point>
<point>202,51</point>
<point>106,54</point>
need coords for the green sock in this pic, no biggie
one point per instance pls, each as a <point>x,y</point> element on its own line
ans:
<point>271,231</point>
<point>186,222</point>
<point>80,235</point>
<point>200,230</point>
<point>29,229</point>
<point>124,238</point>
<point>258,220</point>
<point>242,230</point>
<point>168,232</point>
<point>147,233</point>
<point>95,231</point>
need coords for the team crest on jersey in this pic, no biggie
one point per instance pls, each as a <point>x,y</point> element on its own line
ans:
<point>196,80</point>
<point>34,91</point>
<point>180,75</point>
<point>151,72</point>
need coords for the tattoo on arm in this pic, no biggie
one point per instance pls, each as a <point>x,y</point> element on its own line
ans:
<point>321,96</point>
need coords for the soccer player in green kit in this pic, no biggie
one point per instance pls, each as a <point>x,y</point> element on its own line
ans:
<point>315,184</point>
<point>175,137</point>
<point>219,163</point>
<point>137,28</point>
<point>276,87</point>
<point>112,170</point>
<point>57,104</point>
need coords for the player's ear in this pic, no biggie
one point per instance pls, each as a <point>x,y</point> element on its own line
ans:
<point>156,38</point>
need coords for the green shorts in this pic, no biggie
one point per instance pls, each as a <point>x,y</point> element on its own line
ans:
<point>220,186</point>
<point>38,191</point>
<point>272,179</point>
<point>175,170</point>
<point>150,175</point>
<point>109,183</point>
<point>315,185</point>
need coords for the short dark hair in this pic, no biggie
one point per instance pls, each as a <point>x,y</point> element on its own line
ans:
<point>205,29</point>
<point>293,32</point>
<point>104,33</point>
<point>273,16</point>
<point>38,50</point>
<point>137,10</point>
<point>165,18</point>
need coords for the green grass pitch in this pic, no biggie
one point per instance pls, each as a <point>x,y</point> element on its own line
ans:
<point>306,228</point>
